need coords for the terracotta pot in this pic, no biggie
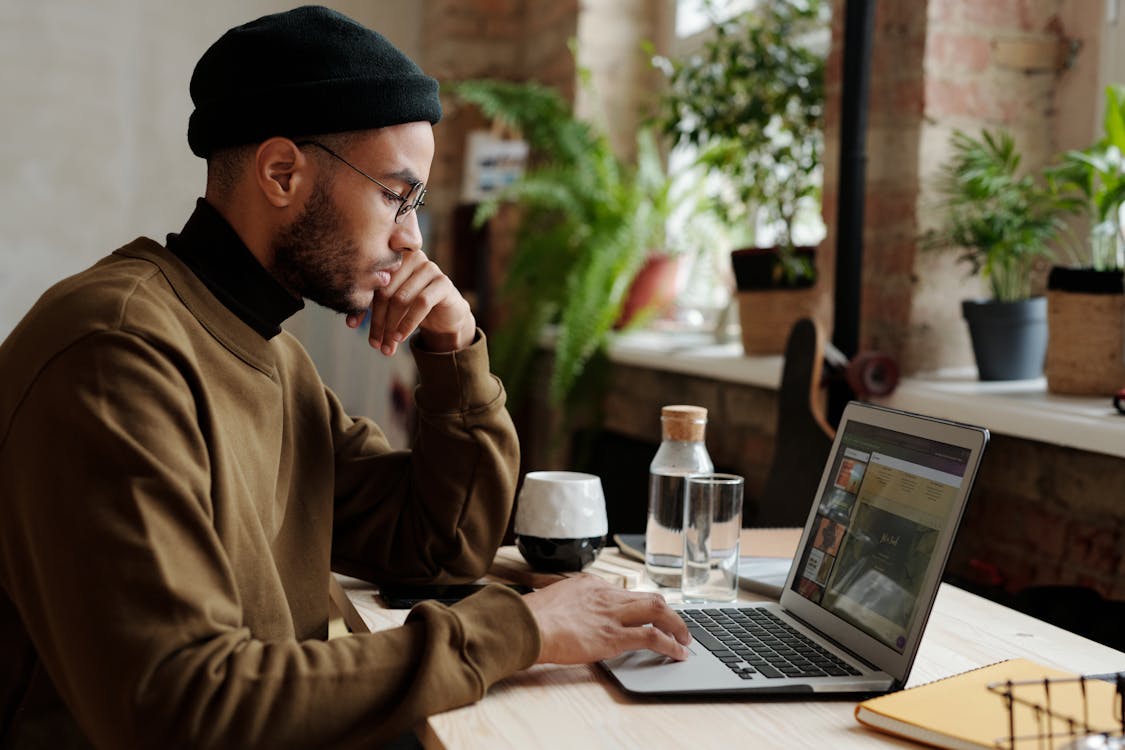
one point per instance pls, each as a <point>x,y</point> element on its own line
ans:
<point>654,288</point>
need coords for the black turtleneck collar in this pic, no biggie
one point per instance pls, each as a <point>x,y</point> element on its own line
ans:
<point>209,246</point>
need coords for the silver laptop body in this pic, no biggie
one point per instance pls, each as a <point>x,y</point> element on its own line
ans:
<point>863,580</point>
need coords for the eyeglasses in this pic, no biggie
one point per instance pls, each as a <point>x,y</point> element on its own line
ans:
<point>411,201</point>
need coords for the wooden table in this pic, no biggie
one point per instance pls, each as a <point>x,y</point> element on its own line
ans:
<point>581,707</point>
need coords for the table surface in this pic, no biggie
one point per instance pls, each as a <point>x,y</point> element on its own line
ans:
<point>581,706</point>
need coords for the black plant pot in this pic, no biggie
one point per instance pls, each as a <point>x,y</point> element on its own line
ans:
<point>1009,338</point>
<point>757,268</point>
<point>1086,280</point>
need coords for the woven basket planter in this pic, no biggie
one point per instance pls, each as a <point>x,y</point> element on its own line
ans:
<point>1086,340</point>
<point>768,315</point>
<point>766,309</point>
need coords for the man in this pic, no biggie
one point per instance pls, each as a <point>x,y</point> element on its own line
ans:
<point>176,481</point>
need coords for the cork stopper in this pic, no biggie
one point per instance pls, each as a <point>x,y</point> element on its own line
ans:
<point>683,423</point>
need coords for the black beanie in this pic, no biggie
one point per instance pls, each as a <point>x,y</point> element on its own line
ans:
<point>307,71</point>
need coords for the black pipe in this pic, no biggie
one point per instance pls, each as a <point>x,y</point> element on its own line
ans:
<point>859,21</point>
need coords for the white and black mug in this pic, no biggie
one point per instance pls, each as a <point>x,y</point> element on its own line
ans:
<point>560,520</point>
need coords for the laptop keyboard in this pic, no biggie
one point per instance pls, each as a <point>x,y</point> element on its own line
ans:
<point>754,641</point>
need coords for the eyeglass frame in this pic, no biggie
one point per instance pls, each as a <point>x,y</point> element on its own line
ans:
<point>405,208</point>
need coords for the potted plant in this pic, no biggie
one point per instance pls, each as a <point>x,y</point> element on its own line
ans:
<point>655,286</point>
<point>1086,305</point>
<point>588,222</point>
<point>751,104</point>
<point>1005,225</point>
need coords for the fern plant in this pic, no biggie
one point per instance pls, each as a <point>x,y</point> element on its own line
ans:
<point>1004,222</point>
<point>588,222</point>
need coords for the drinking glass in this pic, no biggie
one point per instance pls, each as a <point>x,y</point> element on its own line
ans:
<point>712,525</point>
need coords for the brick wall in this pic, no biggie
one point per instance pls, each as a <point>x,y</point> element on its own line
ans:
<point>995,64</point>
<point>894,126</point>
<point>1029,66</point>
<point>623,83</point>
<point>1045,515</point>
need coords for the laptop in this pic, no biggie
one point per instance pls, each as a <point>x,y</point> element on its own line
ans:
<point>862,583</point>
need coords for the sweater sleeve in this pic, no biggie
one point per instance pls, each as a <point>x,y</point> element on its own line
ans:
<point>439,511</point>
<point>109,553</point>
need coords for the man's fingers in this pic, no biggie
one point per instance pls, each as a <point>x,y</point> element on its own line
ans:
<point>399,308</point>
<point>653,609</point>
<point>375,326</point>
<point>640,609</point>
<point>375,336</point>
<point>380,327</point>
<point>584,619</point>
<point>656,640</point>
<point>414,301</point>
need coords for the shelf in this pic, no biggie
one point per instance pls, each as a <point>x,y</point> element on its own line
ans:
<point>696,354</point>
<point>1020,408</point>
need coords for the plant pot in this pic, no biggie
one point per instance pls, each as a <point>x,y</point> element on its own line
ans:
<point>760,268</point>
<point>653,289</point>
<point>1086,320</point>
<point>767,316</point>
<point>768,304</point>
<point>1009,338</point>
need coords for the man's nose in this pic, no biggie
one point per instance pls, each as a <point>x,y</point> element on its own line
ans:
<point>408,234</point>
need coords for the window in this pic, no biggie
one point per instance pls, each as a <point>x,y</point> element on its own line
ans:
<point>708,240</point>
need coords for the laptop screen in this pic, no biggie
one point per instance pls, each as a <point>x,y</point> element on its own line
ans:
<point>889,497</point>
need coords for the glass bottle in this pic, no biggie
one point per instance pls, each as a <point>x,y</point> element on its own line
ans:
<point>681,452</point>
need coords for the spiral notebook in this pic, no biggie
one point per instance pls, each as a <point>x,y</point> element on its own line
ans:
<point>858,593</point>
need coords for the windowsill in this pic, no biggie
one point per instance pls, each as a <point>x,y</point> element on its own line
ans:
<point>1020,408</point>
<point>695,354</point>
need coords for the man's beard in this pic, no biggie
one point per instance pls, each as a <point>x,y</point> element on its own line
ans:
<point>312,258</point>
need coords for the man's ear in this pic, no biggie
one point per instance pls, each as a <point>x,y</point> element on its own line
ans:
<point>281,170</point>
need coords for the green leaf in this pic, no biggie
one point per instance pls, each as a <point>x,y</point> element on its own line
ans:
<point>1114,116</point>
<point>753,102</point>
<point>588,221</point>
<point>1002,221</point>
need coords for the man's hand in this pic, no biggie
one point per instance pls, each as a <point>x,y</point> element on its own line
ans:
<point>583,619</point>
<point>419,296</point>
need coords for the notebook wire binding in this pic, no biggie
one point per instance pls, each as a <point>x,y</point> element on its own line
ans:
<point>1051,725</point>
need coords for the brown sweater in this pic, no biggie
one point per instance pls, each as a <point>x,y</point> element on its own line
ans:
<point>173,490</point>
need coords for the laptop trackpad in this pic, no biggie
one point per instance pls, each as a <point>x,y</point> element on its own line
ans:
<point>647,671</point>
